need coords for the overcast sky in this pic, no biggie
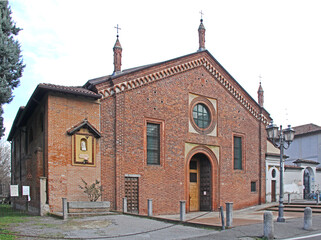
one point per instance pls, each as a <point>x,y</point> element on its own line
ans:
<point>68,42</point>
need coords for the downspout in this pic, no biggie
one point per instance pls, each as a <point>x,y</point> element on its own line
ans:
<point>11,158</point>
<point>43,143</point>
<point>260,157</point>
<point>115,149</point>
<point>20,155</point>
<point>44,152</point>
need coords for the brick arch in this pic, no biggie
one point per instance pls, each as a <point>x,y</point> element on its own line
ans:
<point>214,171</point>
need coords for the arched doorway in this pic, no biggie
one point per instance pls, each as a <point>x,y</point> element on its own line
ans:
<point>200,183</point>
<point>307,182</point>
<point>273,185</point>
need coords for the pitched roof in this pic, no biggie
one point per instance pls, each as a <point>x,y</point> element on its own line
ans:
<point>116,83</point>
<point>42,88</point>
<point>84,124</point>
<point>306,161</point>
<point>102,79</point>
<point>204,59</point>
<point>67,89</point>
<point>15,123</point>
<point>306,129</point>
<point>292,167</point>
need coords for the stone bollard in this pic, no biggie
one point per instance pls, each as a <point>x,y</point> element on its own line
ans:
<point>307,218</point>
<point>229,214</point>
<point>268,225</point>
<point>182,210</point>
<point>222,217</point>
<point>124,205</point>
<point>289,198</point>
<point>150,207</point>
<point>318,199</point>
<point>64,208</point>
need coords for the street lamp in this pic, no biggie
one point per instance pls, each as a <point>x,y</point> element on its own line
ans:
<point>279,137</point>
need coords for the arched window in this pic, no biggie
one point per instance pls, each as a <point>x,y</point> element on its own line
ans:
<point>83,144</point>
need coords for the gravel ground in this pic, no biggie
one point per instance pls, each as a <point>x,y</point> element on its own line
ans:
<point>104,227</point>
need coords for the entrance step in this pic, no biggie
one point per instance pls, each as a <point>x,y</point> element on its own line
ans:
<point>297,207</point>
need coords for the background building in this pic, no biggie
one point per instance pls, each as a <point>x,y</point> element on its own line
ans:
<point>302,175</point>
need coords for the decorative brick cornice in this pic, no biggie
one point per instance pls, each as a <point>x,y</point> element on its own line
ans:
<point>237,95</point>
<point>138,82</point>
<point>156,76</point>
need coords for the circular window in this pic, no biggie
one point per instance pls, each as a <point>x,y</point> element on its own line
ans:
<point>201,116</point>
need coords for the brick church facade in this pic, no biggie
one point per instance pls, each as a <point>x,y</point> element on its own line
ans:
<point>182,129</point>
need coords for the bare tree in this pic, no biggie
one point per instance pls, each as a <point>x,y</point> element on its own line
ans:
<point>93,191</point>
<point>4,162</point>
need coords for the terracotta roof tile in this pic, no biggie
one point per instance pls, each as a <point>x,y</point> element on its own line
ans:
<point>292,167</point>
<point>307,128</point>
<point>306,161</point>
<point>67,89</point>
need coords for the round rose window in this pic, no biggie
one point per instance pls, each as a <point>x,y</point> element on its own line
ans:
<point>201,116</point>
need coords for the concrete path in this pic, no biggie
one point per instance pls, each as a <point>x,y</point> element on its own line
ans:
<point>241,217</point>
<point>292,228</point>
<point>104,227</point>
<point>247,224</point>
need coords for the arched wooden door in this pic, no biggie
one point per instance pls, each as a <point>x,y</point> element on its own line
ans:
<point>200,183</point>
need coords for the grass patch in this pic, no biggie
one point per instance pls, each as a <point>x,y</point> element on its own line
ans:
<point>7,211</point>
<point>6,235</point>
<point>10,216</point>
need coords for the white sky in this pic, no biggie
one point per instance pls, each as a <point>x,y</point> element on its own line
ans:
<point>68,42</point>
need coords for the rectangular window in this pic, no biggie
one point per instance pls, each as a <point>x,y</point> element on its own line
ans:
<point>153,144</point>
<point>253,186</point>
<point>237,152</point>
<point>193,177</point>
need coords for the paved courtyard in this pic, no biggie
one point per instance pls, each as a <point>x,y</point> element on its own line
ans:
<point>247,224</point>
<point>104,227</point>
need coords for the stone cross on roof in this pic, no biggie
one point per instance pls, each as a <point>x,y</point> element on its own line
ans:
<point>260,77</point>
<point>201,12</point>
<point>118,28</point>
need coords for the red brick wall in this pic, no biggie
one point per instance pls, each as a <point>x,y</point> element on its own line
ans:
<point>167,100</point>
<point>108,150</point>
<point>27,164</point>
<point>64,179</point>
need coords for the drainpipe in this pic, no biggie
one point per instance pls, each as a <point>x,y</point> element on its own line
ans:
<point>44,152</point>
<point>260,157</point>
<point>115,148</point>
<point>20,155</point>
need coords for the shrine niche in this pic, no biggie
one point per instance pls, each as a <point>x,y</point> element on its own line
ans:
<point>84,137</point>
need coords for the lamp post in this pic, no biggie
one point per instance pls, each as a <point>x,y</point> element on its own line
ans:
<point>279,137</point>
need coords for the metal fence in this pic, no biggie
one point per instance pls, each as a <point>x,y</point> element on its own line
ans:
<point>6,210</point>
